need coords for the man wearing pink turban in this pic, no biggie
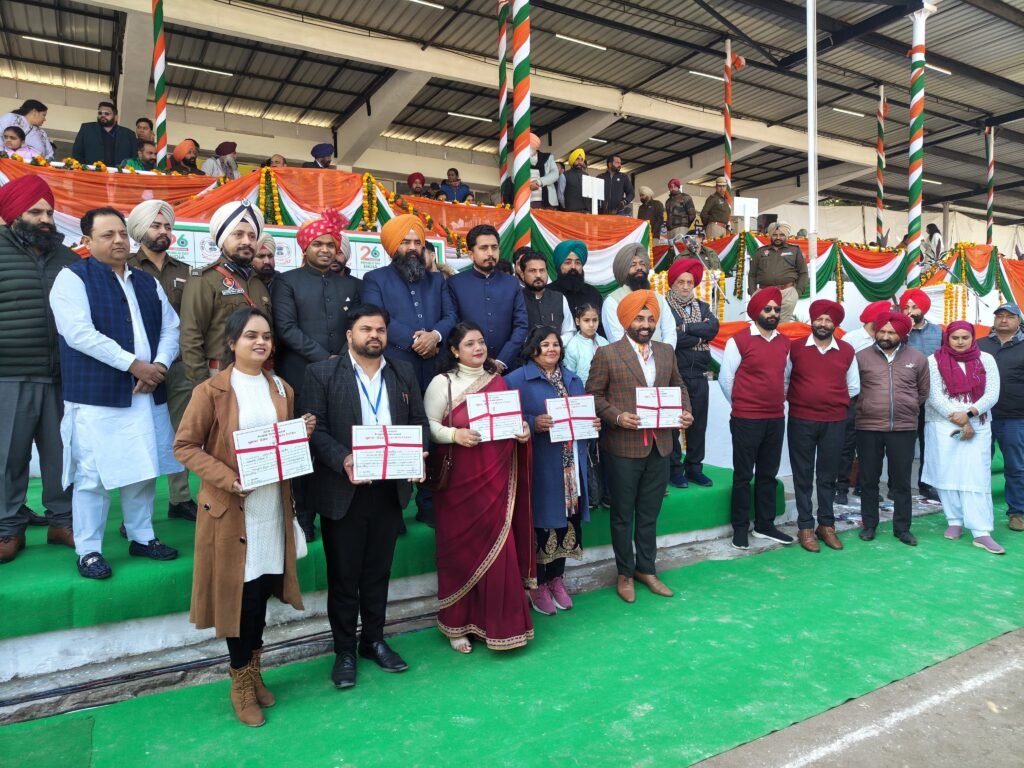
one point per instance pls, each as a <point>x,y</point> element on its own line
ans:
<point>32,254</point>
<point>753,377</point>
<point>894,384</point>
<point>543,176</point>
<point>823,380</point>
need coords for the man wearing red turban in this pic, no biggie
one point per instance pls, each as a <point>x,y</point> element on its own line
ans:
<point>894,384</point>
<point>823,380</point>
<point>415,181</point>
<point>32,254</point>
<point>753,377</point>
<point>696,326</point>
<point>635,459</point>
<point>926,338</point>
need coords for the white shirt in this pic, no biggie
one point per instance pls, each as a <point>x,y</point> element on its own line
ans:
<point>373,394</point>
<point>852,373</point>
<point>568,329</point>
<point>647,366</point>
<point>613,330</point>
<point>732,359</point>
<point>859,339</point>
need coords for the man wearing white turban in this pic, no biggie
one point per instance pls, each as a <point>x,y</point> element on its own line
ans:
<point>151,225</point>
<point>215,291</point>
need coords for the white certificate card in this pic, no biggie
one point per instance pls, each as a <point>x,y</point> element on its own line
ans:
<point>573,417</point>
<point>659,407</point>
<point>272,453</point>
<point>495,415</point>
<point>387,452</point>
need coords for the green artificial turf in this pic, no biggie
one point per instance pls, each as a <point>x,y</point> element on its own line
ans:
<point>42,590</point>
<point>746,647</point>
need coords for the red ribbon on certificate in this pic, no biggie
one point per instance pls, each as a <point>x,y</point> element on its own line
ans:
<point>568,413</point>
<point>388,445</point>
<point>492,416</point>
<point>657,411</point>
<point>276,448</point>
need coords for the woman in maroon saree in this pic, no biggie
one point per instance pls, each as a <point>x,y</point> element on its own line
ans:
<point>485,552</point>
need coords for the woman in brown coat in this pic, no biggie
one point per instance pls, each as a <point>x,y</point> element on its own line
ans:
<point>245,544</point>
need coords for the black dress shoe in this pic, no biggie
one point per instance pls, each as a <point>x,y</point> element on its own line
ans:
<point>867,534</point>
<point>700,479</point>
<point>907,538</point>
<point>842,498</point>
<point>123,531</point>
<point>343,674</point>
<point>154,550</point>
<point>34,518</point>
<point>386,659</point>
<point>183,510</point>
<point>426,516</point>
<point>678,479</point>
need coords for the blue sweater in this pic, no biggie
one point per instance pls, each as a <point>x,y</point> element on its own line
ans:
<point>926,340</point>
<point>495,303</point>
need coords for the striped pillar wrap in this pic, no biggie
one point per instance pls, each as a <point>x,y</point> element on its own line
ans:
<point>521,219</point>
<point>727,116</point>
<point>916,148</point>
<point>990,161</point>
<point>503,89</point>
<point>160,85</point>
<point>883,111</point>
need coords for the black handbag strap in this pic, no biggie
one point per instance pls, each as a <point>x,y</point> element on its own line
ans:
<point>451,445</point>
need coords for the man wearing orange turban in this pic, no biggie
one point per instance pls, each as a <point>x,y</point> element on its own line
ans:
<point>32,255</point>
<point>184,158</point>
<point>894,384</point>
<point>635,459</point>
<point>399,232</point>
<point>926,338</point>
<point>753,377</point>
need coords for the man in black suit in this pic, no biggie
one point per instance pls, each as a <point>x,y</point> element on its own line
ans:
<point>104,140</point>
<point>360,521</point>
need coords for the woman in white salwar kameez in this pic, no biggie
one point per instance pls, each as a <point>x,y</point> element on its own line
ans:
<point>958,434</point>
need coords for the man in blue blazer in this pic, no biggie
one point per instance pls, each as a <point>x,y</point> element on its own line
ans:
<point>493,300</point>
<point>421,308</point>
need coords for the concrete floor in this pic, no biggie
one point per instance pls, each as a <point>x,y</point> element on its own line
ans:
<point>965,711</point>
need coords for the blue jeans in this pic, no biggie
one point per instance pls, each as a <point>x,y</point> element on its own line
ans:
<point>1009,433</point>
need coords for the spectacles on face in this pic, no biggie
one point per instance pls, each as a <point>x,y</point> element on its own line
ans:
<point>105,114</point>
<point>772,310</point>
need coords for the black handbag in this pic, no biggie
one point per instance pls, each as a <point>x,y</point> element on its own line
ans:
<point>439,468</point>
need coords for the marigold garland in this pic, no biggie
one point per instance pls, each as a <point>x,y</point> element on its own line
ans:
<point>721,296</point>
<point>370,207</point>
<point>41,161</point>
<point>99,166</point>
<point>839,279</point>
<point>741,264</point>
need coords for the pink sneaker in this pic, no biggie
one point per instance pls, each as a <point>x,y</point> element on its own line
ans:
<point>559,594</point>
<point>540,599</point>
<point>954,532</point>
<point>989,545</point>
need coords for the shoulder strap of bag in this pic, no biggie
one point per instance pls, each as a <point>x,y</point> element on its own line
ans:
<point>235,281</point>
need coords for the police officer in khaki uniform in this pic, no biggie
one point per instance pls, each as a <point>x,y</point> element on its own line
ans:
<point>151,225</point>
<point>215,291</point>
<point>717,212</point>
<point>781,265</point>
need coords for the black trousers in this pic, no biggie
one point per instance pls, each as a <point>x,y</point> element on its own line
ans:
<point>359,550</point>
<point>849,449</point>
<point>697,389</point>
<point>637,488</point>
<point>548,571</point>
<point>756,455</point>
<point>815,447</point>
<point>255,595</point>
<point>898,448</point>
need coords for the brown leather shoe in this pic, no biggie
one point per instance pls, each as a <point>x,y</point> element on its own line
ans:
<point>656,585</point>
<point>807,540</point>
<point>263,695</point>
<point>10,546</point>
<point>58,535</point>
<point>828,534</point>
<point>625,589</point>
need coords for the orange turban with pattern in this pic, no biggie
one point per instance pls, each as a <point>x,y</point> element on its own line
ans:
<point>330,222</point>
<point>631,304</point>
<point>393,233</point>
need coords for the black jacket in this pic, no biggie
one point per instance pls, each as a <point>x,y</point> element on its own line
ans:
<point>618,192</point>
<point>28,335</point>
<point>89,144</point>
<point>330,392</point>
<point>310,318</point>
<point>694,363</point>
<point>575,202</point>
<point>1010,359</point>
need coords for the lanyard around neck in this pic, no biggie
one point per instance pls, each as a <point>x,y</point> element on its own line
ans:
<point>374,406</point>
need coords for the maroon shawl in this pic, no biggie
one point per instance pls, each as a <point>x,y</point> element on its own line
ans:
<point>965,385</point>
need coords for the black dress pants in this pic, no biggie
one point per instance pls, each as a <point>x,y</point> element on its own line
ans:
<point>898,448</point>
<point>815,447</point>
<point>756,455</point>
<point>697,389</point>
<point>255,595</point>
<point>359,550</point>
<point>637,488</point>
<point>849,449</point>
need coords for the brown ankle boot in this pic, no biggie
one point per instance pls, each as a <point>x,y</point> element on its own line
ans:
<point>263,695</point>
<point>243,697</point>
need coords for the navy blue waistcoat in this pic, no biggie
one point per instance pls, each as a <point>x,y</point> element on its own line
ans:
<point>85,379</point>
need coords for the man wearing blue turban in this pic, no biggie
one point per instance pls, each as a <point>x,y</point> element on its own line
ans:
<point>569,258</point>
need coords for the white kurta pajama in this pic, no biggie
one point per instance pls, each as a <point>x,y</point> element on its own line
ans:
<point>961,470</point>
<point>107,448</point>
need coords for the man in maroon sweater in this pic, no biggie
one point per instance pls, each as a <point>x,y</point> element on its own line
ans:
<point>894,383</point>
<point>823,378</point>
<point>754,375</point>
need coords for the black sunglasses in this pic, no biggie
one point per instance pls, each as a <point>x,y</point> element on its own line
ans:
<point>772,310</point>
